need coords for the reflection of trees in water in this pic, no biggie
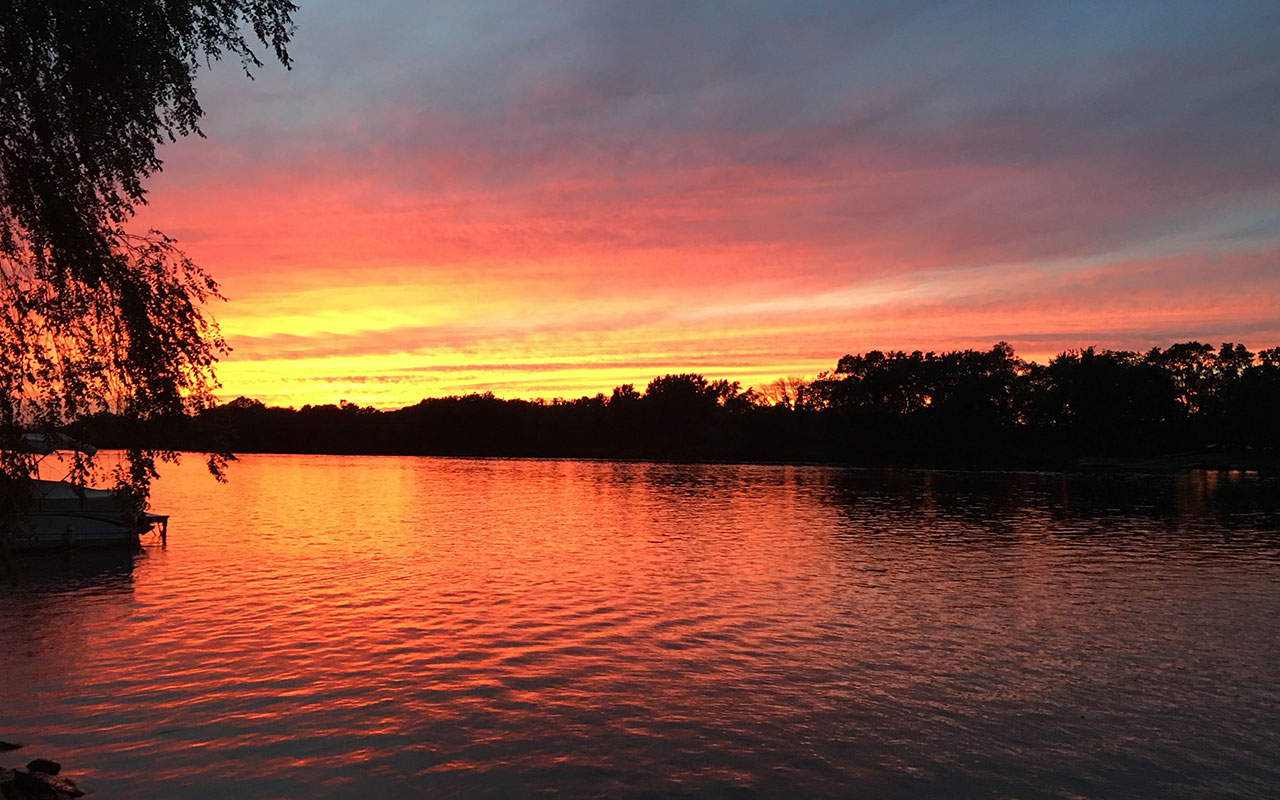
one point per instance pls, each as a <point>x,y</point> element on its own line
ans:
<point>960,504</point>
<point>104,570</point>
<point>50,604</point>
<point>714,478</point>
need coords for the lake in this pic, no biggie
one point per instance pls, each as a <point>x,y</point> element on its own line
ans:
<point>363,626</point>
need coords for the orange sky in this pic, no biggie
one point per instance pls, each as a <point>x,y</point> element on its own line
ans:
<point>541,205</point>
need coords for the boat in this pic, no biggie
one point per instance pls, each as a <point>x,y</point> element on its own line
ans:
<point>62,515</point>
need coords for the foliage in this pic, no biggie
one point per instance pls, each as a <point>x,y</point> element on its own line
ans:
<point>960,408</point>
<point>94,318</point>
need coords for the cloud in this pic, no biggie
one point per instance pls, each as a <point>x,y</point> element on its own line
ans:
<point>579,181</point>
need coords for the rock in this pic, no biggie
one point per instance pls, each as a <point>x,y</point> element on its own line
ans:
<point>32,786</point>
<point>44,765</point>
<point>65,787</point>
<point>7,746</point>
<point>40,786</point>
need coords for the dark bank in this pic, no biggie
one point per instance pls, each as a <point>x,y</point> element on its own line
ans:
<point>1187,406</point>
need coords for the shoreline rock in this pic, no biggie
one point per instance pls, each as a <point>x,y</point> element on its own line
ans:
<point>39,781</point>
<point>45,765</point>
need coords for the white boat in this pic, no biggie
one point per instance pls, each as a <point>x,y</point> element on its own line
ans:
<point>63,515</point>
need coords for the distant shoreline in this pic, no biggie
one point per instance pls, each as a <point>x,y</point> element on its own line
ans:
<point>1191,406</point>
<point>1162,465</point>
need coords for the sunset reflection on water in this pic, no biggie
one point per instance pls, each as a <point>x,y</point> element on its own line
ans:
<point>338,626</point>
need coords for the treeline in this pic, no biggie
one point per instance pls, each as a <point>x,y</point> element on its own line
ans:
<point>961,408</point>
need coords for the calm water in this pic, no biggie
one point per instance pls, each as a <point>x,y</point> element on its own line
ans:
<point>358,627</point>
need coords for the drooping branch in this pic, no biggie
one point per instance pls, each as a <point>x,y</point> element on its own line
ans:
<point>94,318</point>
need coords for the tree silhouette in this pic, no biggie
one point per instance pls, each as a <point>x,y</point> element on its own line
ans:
<point>96,318</point>
<point>785,392</point>
<point>962,408</point>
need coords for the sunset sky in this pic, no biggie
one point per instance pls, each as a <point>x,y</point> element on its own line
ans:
<point>547,199</point>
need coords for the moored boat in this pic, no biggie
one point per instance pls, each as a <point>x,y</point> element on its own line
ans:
<point>61,515</point>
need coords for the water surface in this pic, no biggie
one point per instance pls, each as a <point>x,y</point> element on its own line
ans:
<point>348,627</point>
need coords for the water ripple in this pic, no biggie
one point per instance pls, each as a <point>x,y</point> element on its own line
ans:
<point>346,627</point>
